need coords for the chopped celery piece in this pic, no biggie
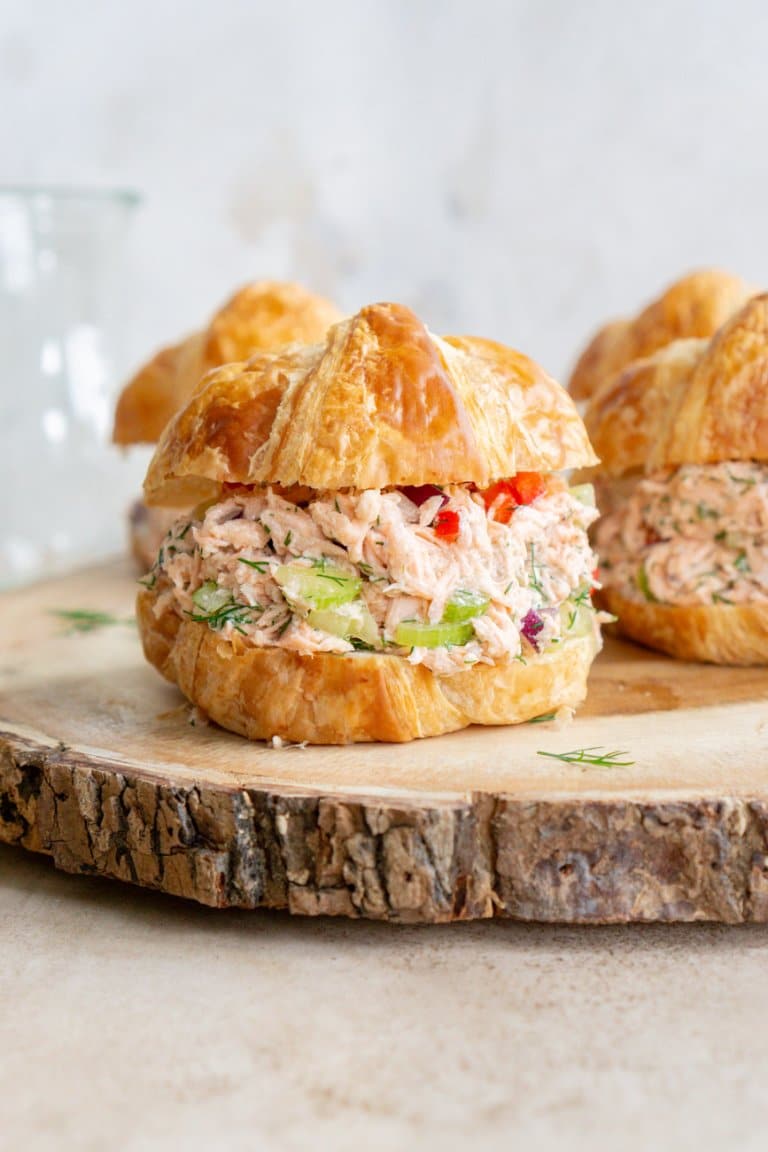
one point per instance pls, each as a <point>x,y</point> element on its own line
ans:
<point>576,619</point>
<point>644,586</point>
<point>584,493</point>
<point>318,587</point>
<point>464,605</point>
<point>210,597</point>
<point>350,621</point>
<point>419,634</point>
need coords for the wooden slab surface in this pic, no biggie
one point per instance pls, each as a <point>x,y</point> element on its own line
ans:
<point>104,767</point>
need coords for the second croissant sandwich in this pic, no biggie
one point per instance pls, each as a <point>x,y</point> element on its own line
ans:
<point>384,548</point>
<point>692,307</point>
<point>683,437</point>
<point>263,314</point>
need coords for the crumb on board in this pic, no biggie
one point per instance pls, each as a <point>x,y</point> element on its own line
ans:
<point>197,717</point>
<point>564,716</point>
<point>278,742</point>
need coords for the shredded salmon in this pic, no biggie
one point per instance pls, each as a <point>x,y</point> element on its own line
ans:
<point>536,562</point>
<point>694,535</point>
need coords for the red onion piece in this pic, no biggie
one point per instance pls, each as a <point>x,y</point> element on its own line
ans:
<point>531,626</point>
<point>419,494</point>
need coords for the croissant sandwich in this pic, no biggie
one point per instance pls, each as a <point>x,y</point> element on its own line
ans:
<point>265,314</point>
<point>383,549</point>
<point>693,307</point>
<point>683,437</point>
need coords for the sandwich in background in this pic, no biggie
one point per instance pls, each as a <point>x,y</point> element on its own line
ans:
<point>265,314</point>
<point>683,480</point>
<point>694,306</point>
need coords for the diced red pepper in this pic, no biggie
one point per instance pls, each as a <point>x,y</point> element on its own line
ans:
<point>446,525</point>
<point>506,495</point>
<point>500,494</point>
<point>528,486</point>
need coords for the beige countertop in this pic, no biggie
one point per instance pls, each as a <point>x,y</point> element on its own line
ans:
<point>137,1022</point>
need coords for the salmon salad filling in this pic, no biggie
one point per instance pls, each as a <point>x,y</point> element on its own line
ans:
<point>694,535</point>
<point>441,576</point>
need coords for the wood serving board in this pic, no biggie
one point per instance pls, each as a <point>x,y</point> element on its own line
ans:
<point>105,768</point>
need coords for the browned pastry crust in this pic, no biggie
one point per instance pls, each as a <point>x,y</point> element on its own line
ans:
<point>361,697</point>
<point>695,402</point>
<point>626,417</point>
<point>266,314</point>
<point>382,402</point>
<point>715,634</point>
<point>693,307</point>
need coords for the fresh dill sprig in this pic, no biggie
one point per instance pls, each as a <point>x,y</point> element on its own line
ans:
<point>704,512</point>
<point>746,481</point>
<point>543,719</point>
<point>83,620</point>
<point>229,613</point>
<point>535,582</point>
<point>593,755</point>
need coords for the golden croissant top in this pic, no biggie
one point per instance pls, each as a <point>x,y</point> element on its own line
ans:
<point>380,402</point>
<point>693,307</point>
<point>693,402</point>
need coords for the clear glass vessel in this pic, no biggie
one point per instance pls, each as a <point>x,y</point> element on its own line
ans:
<point>64,301</point>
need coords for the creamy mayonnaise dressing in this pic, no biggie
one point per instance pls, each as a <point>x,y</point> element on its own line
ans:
<point>694,535</point>
<point>537,562</point>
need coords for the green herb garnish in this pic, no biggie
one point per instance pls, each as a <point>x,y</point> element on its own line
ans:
<point>746,481</point>
<point>543,719</point>
<point>535,582</point>
<point>82,620</point>
<point>261,566</point>
<point>704,512</point>
<point>217,606</point>
<point>593,755</point>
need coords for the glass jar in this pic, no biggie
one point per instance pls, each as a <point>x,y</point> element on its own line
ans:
<point>64,300</point>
